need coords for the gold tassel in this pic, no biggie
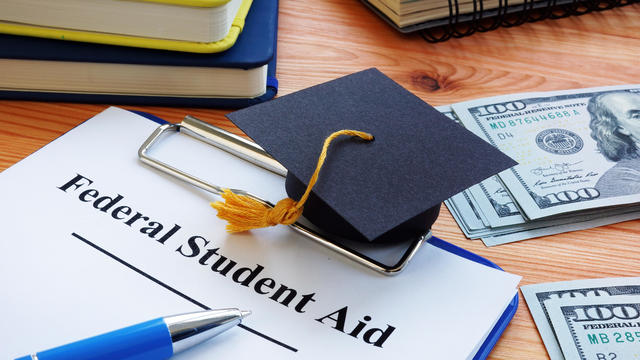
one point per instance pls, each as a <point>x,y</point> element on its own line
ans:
<point>244,213</point>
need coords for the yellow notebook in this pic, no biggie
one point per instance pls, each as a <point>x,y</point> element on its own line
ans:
<point>199,26</point>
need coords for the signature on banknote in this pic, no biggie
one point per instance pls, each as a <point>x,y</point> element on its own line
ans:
<point>554,169</point>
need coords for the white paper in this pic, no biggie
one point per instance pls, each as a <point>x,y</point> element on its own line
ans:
<point>56,288</point>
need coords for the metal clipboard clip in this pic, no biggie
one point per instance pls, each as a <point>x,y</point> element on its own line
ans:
<point>254,154</point>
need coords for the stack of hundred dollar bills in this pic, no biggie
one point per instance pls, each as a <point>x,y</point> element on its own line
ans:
<point>578,154</point>
<point>596,319</point>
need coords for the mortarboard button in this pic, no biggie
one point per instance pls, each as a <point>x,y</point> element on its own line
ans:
<point>383,189</point>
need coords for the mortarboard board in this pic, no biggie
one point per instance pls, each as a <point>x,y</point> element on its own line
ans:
<point>378,190</point>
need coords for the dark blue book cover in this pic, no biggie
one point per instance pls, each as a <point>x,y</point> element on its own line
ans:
<point>256,46</point>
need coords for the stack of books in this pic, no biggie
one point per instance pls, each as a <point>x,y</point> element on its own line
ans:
<point>205,53</point>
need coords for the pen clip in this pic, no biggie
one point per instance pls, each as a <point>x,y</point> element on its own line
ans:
<point>253,153</point>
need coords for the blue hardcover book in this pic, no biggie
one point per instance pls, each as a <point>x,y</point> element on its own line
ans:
<point>53,70</point>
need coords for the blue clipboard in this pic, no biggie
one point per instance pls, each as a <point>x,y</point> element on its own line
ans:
<point>507,315</point>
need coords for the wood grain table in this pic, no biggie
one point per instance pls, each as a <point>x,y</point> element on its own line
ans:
<point>323,40</point>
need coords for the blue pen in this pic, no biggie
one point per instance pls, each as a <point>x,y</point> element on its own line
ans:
<point>154,339</point>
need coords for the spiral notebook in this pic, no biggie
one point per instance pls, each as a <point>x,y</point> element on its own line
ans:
<point>441,20</point>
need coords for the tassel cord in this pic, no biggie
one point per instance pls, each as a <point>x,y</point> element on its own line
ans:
<point>243,212</point>
<point>323,156</point>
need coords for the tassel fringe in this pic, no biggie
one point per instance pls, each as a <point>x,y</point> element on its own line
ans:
<point>245,213</point>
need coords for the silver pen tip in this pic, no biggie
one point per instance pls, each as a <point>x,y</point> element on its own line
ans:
<point>245,313</point>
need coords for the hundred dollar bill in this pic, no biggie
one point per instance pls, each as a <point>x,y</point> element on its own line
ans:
<point>465,212</point>
<point>537,295</point>
<point>577,149</point>
<point>604,328</point>
<point>470,217</point>
<point>489,198</point>
<point>491,202</point>
<point>496,203</point>
<point>488,212</point>
<point>579,223</point>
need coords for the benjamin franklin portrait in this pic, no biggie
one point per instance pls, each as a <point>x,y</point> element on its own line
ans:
<point>615,126</point>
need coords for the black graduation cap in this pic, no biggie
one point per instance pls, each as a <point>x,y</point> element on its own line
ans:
<point>382,189</point>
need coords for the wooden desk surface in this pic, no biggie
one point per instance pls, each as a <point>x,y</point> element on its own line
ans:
<point>322,40</point>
